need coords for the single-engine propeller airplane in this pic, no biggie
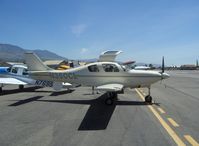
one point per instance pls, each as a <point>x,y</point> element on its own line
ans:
<point>106,75</point>
<point>18,75</point>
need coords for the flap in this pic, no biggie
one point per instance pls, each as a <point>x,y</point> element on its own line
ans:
<point>111,87</point>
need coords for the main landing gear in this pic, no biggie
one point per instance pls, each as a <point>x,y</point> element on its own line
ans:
<point>148,98</point>
<point>1,90</point>
<point>21,87</point>
<point>112,96</point>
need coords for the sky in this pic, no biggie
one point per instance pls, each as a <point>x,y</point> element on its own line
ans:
<point>145,30</point>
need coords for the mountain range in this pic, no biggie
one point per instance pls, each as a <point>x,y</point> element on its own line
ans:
<point>14,53</point>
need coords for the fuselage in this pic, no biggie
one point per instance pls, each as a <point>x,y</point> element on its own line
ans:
<point>101,73</point>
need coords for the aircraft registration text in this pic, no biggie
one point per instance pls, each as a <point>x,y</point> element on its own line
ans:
<point>63,75</point>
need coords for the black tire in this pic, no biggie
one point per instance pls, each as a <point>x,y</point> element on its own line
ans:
<point>109,101</point>
<point>114,95</point>
<point>148,99</point>
<point>121,92</point>
<point>1,90</point>
<point>21,87</point>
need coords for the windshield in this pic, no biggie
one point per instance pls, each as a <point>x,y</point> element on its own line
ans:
<point>125,67</point>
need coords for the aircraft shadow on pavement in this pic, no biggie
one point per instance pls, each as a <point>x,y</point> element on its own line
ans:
<point>25,101</point>
<point>14,91</point>
<point>61,92</point>
<point>98,115</point>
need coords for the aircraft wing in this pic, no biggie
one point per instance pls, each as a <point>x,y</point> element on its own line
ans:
<point>109,56</point>
<point>11,81</point>
<point>111,87</point>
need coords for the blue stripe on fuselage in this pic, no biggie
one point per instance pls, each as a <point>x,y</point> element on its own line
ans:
<point>3,70</point>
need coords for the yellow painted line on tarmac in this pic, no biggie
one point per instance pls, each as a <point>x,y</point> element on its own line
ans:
<point>169,130</point>
<point>191,140</point>
<point>174,123</point>
<point>142,91</point>
<point>161,110</point>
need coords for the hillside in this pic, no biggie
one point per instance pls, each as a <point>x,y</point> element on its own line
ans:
<point>16,54</point>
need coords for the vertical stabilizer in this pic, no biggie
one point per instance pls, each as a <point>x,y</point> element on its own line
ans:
<point>34,63</point>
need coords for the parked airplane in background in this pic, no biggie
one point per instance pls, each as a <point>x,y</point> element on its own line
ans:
<point>142,68</point>
<point>132,65</point>
<point>106,76</point>
<point>18,75</point>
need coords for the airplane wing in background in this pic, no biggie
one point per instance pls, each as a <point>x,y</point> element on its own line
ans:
<point>11,81</point>
<point>111,87</point>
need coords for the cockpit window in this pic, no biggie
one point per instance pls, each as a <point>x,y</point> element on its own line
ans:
<point>8,70</point>
<point>93,68</point>
<point>124,67</point>
<point>25,72</point>
<point>110,68</point>
<point>14,70</point>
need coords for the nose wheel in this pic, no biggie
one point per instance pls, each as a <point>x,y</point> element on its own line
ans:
<point>148,98</point>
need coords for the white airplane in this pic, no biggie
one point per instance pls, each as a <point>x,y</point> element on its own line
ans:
<point>107,76</point>
<point>18,75</point>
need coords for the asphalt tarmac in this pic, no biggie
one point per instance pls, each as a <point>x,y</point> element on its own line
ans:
<point>40,117</point>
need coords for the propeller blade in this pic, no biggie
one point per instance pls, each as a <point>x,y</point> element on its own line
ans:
<point>163,64</point>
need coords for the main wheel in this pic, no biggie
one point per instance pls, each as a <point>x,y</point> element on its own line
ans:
<point>114,95</point>
<point>148,99</point>
<point>1,90</point>
<point>109,101</point>
<point>21,87</point>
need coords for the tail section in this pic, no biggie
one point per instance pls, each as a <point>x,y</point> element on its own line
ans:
<point>34,63</point>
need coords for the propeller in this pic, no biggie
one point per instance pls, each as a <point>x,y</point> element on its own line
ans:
<point>162,65</point>
<point>163,75</point>
<point>162,69</point>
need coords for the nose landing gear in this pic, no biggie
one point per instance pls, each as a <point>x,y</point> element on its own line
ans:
<point>148,98</point>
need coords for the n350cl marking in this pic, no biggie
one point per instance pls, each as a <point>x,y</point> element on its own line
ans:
<point>63,75</point>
